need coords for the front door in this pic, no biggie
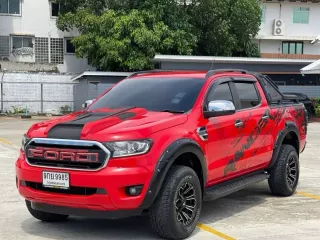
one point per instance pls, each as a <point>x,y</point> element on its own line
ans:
<point>224,135</point>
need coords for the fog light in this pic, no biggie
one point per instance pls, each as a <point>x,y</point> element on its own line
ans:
<point>134,190</point>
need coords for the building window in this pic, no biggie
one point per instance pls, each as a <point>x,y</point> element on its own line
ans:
<point>263,12</point>
<point>55,8</point>
<point>292,47</point>
<point>4,46</point>
<point>42,50</point>
<point>56,49</point>
<point>22,45</point>
<point>301,15</point>
<point>10,6</point>
<point>70,48</point>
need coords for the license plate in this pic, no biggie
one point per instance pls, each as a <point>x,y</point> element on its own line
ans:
<point>56,180</point>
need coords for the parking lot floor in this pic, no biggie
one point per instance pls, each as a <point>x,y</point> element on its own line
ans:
<point>252,213</point>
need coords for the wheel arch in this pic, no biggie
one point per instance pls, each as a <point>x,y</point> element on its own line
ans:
<point>184,152</point>
<point>290,135</point>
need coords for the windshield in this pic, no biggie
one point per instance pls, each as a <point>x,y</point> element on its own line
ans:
<point>153,94</point>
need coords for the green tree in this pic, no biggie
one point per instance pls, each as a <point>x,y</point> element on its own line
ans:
<point>226,28</point>
<point>125,35</point>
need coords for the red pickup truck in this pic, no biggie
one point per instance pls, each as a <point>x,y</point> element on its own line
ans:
<point>161,143</point>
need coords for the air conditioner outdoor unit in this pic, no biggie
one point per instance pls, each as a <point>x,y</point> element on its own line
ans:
<point>278,28</point>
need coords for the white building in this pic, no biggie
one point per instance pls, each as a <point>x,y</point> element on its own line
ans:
<point>289,29</point>
<point>28,33</point>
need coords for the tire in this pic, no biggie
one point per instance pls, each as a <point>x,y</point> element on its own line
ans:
<point>45,216</point>
<point>168,221</point>
<point>282,183</point>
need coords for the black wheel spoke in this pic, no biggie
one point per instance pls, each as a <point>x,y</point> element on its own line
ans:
<point>189,188</point>
<point>292,171</point>
<point>185,203</point>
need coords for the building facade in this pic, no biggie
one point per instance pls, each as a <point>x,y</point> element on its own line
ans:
<point>28,34</point>
<point>290,29</point>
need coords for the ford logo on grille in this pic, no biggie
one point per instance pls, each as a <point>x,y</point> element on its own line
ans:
<point>81,155</point>
<point>62,154</point>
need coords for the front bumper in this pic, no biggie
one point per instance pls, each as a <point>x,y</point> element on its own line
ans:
<point>112,180</point>
<point>71,211</point>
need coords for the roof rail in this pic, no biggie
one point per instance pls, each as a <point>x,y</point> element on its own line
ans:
<point>212,72</point>
<point>149,71</point>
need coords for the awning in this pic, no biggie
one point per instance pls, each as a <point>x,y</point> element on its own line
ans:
<point>313,68</point>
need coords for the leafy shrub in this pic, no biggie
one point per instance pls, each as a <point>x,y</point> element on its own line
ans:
<point>65,109</point>
<point>316,102</point>
<point>318,111</point>
<point>16,110</point>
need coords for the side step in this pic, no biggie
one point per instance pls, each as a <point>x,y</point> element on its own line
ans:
<point>234,185</point>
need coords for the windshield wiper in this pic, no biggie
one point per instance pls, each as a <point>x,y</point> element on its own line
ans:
<point>172,111</point>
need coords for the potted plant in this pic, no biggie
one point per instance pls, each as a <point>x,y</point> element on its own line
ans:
<point>66,109</point>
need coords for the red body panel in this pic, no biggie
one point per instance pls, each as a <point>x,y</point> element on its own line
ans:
<point>229,151</point>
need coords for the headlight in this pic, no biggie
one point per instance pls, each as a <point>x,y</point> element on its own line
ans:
<point>128,148</point>
<point>24,142</point>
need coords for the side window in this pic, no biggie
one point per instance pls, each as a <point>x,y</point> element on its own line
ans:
<point>272,92</point>
<point>222,92</point>
<point>248,95</point>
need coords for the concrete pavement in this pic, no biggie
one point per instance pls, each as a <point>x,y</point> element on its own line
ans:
<point>249,214</point>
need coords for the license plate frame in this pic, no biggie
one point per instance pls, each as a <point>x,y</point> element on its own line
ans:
<point>56,180</point>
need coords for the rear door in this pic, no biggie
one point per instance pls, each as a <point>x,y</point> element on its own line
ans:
<point>254,144</point>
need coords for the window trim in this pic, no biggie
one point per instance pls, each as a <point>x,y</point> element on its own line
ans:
<point>50,3</point>
<point>295,42</point>
<point>293,11</point>
<point>22,36</point>
<point>214,84</point>
<point>13,14</point>
<point>263,11</point>
<point>65,46</point>
<point>246,80</point>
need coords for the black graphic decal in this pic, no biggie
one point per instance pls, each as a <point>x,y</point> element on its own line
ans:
<point>276,117</point>
<point>235,143</point>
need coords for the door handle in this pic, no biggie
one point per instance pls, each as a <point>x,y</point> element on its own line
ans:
<point>265,117</point>
<point>238,123</point>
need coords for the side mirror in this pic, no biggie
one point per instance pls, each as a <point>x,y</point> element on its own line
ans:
<point>219,108</point>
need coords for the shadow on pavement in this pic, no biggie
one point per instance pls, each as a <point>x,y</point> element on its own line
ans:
<point>235,203</point>
<point>138,227</point>
<point>83,228</point>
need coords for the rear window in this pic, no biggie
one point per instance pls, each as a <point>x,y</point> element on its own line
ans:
<point>273,94</point>
<point>248,95</point>
<point>153,94</point>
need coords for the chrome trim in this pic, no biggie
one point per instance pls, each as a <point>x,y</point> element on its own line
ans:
<point>238,124</point>
<point>133,154</point>
<point>202,133</point>
<point>68,142</point>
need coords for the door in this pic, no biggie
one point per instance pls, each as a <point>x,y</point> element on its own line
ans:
<point>224,136</point>
<point>255,141</point>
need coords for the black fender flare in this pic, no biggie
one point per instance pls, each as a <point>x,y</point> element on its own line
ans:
<point>289,127</point>
<point>166,160</point>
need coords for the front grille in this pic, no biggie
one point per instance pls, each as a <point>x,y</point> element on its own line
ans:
<point>72,190</point>
<point>56,147</point>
